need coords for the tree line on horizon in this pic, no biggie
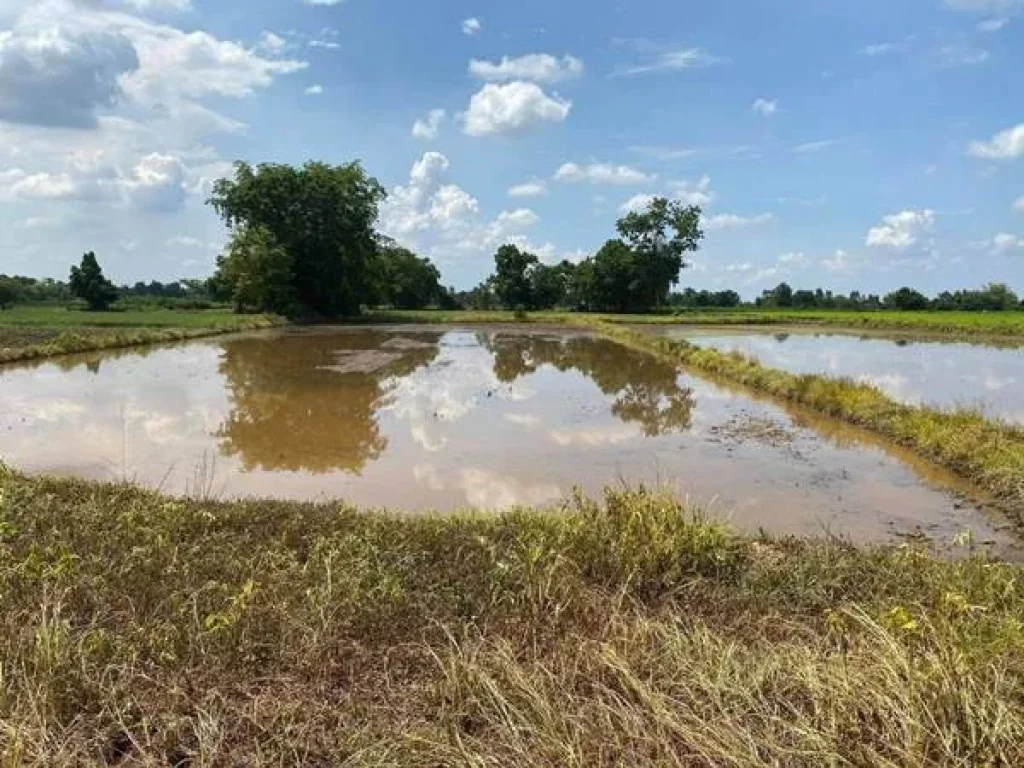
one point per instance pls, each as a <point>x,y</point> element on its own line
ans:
<point>303,243</point>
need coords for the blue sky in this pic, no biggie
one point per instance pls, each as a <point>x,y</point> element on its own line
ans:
<point>847,145</point>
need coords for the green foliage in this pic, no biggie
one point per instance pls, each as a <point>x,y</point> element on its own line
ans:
<point>406,281</point>
<point>87,282</point>
<point>906,299</point>
<point>9,293</point>
<point>512,283</point>
<point>258,272</point>
<point>321,215</point>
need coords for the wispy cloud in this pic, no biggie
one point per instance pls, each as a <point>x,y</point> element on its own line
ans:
<point>815,146</point>
<point>671,61</point>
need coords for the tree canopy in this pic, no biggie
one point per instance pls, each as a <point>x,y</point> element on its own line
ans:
<point>321,215</point>
<point>87,282</point>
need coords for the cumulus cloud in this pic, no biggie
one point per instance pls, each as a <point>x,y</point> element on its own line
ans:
<point>602,173</point>
<point>428,127</point>
<point>1018,204</point>
<point>734,221</point>
<point>693,192</point>
<point>314,90</point>
<point>1005,145</point>
<point>765,108</point>
<point>55,77</point>
<point>510,107</point>
<point>838,262</point>
<point>471,26</point>
<point>16,184</point>
<point>793,257</point>
<point>900,230</point>
<point>538,67</point>
<point>156,183</point>
<point>533,188</point>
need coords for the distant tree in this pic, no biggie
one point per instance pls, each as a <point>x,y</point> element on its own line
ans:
<point>405,280</point>
<point>906,299</point>
<point>804,299</point>
<point>9,293</point>
<point>659,235</point>
<point>257,272</point>
<point>511,283</point>
<point>550,284</point>
<point>88,283</point>
<point>321,215</point>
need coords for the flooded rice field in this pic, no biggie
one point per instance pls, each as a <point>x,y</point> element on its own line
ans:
<point>444,418</point>
<point>941,374</point>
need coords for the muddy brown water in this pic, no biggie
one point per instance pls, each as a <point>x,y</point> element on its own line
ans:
<point>929,371</point>
<point>416,418</point>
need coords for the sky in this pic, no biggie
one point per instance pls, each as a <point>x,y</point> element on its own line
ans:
<point>830,143</point>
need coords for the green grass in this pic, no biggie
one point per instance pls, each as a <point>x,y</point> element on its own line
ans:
<point>141,630</point>
<point>30,332</point>
<point>1009,324</point>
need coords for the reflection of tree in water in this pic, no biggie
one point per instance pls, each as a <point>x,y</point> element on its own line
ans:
<point>646,390</point>
<point>309,402</point>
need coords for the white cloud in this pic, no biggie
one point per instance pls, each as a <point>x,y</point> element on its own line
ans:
<point>532,188</point>
<point>16,184</point>
<point>156,183</point>
<point>672,61</point>
<point>510,107</point>
<point>184,241</point>
<point>985,6</point>
<point>815,146</point>
<point>1005,145</point>
<point>442,220</point>
<point>733,221</point>
<point>793,257</point>
<point>471,26</point>
<point>695,192</point>
<point>602,173</point>
<point>900,230</point>
<point>993,25</point>
<point>538,67</point>
<point>745,266</point>
<point>1018,204</point>
<point>839,262</point>
<point>959,55</point>
<point>314,90</point>
<point>272,43</point>
<point>1005,242</point>
<point>429,126</point>
<point>326,3</point>
<point>636,203</point>
<point>879,49</point>
<point>765,107</point>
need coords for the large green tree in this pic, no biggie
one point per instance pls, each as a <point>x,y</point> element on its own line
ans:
<point>512,283</point>
<point>88,283</point>
<point>322,216</point>
<point>258,274</point>
<point>405,280</point>
<point>659,235</point>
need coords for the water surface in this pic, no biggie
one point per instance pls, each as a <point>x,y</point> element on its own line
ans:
<point>938,373</point>
<point>444,418</point>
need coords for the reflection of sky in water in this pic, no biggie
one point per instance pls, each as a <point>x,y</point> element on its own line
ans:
<point>944,375</point>
<point>451,419</point>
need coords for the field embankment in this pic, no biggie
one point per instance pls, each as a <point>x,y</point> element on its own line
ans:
<point>32,332</point>
<point>994,324</point>
<point>142,630</point>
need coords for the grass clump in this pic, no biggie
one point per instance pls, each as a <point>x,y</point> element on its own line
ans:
<point>143,630</point>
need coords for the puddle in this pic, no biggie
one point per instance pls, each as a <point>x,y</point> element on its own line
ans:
<point>444,418</point>
<point>941,374</point>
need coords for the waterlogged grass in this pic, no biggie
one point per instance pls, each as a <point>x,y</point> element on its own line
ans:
<point>142,630</point>
<point>945,323</point>
<point>32,332</point>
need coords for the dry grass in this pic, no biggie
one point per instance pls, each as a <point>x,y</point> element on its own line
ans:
<point>142,630</point>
